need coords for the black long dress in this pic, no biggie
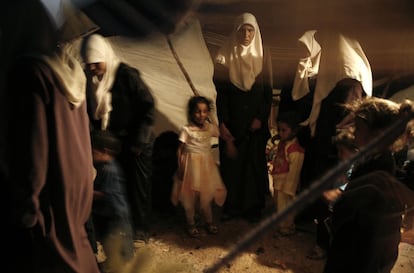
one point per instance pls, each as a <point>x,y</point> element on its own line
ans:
<point>245,176</point>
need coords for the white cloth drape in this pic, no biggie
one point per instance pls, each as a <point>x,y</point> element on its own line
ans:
<point>308,66</point>
<point>70,75</point>
<point>97,49</point>
<point>341,57</point>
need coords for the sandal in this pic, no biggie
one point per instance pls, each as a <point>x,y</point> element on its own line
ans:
<point>212,229</point>
<point>193,231</point>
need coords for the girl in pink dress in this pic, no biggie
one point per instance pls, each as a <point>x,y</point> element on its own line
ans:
<point>198,182</point>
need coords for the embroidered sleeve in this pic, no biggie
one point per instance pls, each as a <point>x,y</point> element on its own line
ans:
<point>295,166</point>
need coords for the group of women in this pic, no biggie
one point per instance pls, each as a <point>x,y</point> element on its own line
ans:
<point>50,173</point>
<point>334,72</point>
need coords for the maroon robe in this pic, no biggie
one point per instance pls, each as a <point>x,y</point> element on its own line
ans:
<point>50,181</point>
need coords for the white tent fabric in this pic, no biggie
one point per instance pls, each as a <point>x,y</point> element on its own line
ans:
<point>407,93</point>
<point>153,57</point>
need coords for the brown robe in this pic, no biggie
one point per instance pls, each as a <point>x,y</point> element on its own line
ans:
<point>50,183</point>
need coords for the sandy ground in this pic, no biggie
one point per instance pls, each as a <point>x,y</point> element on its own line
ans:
<point>270,253</point>
<point>171,250</point>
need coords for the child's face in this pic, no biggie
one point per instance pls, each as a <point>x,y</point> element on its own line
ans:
<point>200,114</point>
<point>285,132</point>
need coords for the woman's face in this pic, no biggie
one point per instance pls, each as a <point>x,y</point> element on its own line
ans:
<point>97,69</point>
<point>245,34</point>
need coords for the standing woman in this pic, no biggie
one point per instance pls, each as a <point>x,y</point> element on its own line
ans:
<point>243,79</point>
<point>48,190</point>
<point>119,101</point>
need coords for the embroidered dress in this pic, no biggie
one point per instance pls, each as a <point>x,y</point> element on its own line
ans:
<point>287,166</point>
<point>201,175</point>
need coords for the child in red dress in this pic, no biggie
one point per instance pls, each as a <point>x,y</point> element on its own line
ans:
<point>287,166</point>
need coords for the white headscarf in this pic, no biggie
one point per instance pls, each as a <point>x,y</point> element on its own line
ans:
<point>244,62</point>
<point>70,75</point>
<point>97,49</point>
<point>308,66</point>
<point>341,57</point>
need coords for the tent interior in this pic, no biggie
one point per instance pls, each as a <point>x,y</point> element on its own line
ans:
<point>170,41</point>
<point>384,28</point>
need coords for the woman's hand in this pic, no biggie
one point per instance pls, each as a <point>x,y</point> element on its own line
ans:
<point>225,133</point>
<point>255,125</point>
<point>231,150</point>
<point>331,195</point>
<point>230,147</point>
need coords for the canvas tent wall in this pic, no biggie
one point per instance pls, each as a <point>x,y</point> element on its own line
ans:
<point>160,69</point>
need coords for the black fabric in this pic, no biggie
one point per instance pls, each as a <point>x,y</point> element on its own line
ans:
<point>131,120</point>
<point>384,162</point>
<point>139,187</point>
<point>165,164</point>
<point>366,224</point>
<point>246,175</point>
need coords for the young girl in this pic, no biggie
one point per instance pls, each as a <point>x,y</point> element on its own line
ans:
<point>366,219</point>
<point>287,166</point>
<point>199,181</point>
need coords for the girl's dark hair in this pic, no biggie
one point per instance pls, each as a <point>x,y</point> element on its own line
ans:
<point>192,104</point>
<point>292,119</point>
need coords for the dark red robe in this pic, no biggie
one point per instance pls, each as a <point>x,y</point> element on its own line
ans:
<point>50,179</point>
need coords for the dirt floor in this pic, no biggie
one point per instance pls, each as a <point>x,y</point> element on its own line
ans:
<point>171,250</point>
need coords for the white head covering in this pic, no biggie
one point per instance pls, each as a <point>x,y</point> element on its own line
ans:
<point>308,66</point>
<point>244,62</point>
<point>66,67</point>
<point>341,57</point>
<point>70,75</point>
<point>97,49</point>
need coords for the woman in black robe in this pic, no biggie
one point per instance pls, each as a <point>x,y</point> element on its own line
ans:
<point>243,79</point>
<point>121,102</point>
